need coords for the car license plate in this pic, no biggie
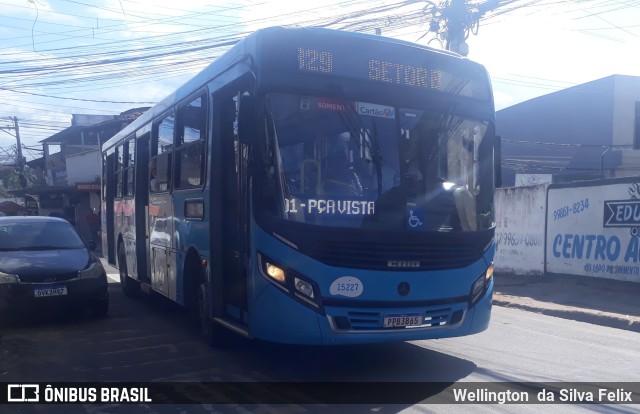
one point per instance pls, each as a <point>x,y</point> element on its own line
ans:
<point>50,291</point>
<point>402,320</point>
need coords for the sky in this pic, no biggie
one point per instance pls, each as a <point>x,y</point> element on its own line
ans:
<point>103,57</point>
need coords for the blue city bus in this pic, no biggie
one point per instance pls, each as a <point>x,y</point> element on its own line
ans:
<point>312,186</point>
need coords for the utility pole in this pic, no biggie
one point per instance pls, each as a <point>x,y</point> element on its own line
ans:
<point>457,27</point>
<point>453,20</point>
<point>20,161</point>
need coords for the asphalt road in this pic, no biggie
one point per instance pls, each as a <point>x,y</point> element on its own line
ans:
<point>149,340</point>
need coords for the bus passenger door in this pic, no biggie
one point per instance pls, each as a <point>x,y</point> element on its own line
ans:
<point>229,220</point>
<point>108,211</point>
<point>142,207</point>
<point>160,209</point>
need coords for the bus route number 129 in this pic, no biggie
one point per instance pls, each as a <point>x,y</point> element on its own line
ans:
<point>315,60</point>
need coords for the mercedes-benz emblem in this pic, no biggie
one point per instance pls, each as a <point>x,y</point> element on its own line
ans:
<point>403,288</point>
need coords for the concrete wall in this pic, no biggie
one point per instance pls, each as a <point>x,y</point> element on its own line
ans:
<point>84,167</point>
<point>587,228</point>
<point>87,120</point>
<point>525,180</point>
<point>520,216</point>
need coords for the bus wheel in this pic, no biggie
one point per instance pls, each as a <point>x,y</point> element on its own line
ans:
<point>212,333</point>
<point>130,287</point>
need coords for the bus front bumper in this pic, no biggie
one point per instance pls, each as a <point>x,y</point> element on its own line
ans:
<point>277,318</point>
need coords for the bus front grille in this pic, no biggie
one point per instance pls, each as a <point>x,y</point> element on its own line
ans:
<point>396,255</point>
<point>361,321</point>
<point>364,320</point>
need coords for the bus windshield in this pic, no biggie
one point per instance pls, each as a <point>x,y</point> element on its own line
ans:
<point>352,164</point>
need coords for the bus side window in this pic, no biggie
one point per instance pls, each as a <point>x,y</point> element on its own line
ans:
<point>162,174</point>
<point>190,146</point>
<point>119,170</point>
<point>130,168</point>
<point>161,153</point>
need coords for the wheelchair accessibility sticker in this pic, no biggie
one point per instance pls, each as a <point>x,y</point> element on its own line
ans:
<point>415,218</point>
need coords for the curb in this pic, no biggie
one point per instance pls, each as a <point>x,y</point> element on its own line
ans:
<point>594,317</point>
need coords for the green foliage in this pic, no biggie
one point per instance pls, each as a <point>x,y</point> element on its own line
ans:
<point>10,179</point>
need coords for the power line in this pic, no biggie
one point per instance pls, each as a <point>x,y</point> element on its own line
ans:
<point>161,71</point>
<point>106,64</point>
<point>77,99</point>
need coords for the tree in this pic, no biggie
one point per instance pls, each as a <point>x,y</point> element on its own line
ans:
<point>10,179</point>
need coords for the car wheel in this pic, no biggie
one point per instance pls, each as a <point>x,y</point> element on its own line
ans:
<point>129,286</point>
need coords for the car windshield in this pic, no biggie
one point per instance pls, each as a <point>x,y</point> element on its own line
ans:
<point>38,236</point>
<point>358,164</point>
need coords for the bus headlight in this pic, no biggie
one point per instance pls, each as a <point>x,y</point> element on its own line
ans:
<point>292,282</point>
<point>305,292</point>
<point>304,287</point>
<point>275,272</point>
<point>488,274</point>
<point>479,286</point>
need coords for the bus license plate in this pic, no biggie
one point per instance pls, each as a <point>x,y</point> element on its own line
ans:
<point>50,291</point>
<point>402,320</point>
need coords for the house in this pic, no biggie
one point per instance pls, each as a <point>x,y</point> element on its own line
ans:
<point>11,208</point>
<point>73,166</point>
<point>587,131</point>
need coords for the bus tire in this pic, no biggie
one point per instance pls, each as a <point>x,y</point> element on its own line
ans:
<point>129,286</point>
<point>214,334</point>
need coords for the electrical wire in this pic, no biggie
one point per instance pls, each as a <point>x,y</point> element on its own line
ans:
<point>69,73</point>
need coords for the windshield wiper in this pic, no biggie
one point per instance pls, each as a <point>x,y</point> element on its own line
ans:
<point>270,155</point>
<point>376,156</point>
<point>445,125</point>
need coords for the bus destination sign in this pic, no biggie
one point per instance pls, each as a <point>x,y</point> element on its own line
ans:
<point>388,71</point>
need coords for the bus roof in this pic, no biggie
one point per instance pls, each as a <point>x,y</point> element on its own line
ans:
<point>240,51</point>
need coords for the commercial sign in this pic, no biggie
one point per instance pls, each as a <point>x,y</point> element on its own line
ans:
<point>622,213</point>
<point>87,186</point>
<point>592,230</point>
<point>31,202</point>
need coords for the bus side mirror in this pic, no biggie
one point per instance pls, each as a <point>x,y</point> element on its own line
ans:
<point>247,118</point>
<point>497,161</point>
